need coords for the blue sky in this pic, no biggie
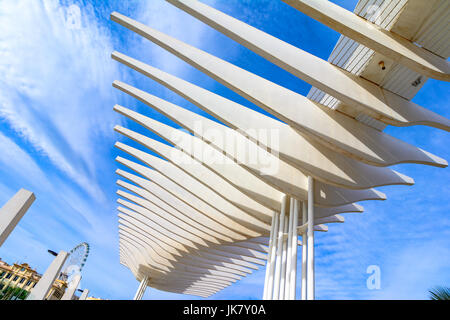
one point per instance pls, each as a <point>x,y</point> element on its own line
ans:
<point>56,138</point>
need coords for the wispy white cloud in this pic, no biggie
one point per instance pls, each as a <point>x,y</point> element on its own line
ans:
<point>56,83</point>
<point>56,101</point>
<point>175,22</point>
<point>17,163</point>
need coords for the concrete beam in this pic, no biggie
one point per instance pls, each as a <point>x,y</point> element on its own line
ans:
<point>40,291</point>
<point>13,211</point>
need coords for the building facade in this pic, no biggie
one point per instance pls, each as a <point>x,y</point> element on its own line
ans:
<point>17,280</point>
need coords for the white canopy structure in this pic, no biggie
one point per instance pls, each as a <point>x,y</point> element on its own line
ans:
<point>201,215</point>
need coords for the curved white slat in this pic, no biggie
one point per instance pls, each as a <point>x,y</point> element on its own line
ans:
<point>188,198</point>
<point>187,213</point>
<point>309,156</point>
<point>132,216</point>
<point>202,174</point>
<point>342,133</point>
<point>325,195</point>
<point>148,218</point>
<point>214,202</point>
<point>191,261</point>
<point>178,268</point>
<point>281,102</point>
<point>350,89</point>
<point>196,227</point>
<point>169,213</point>
<point>166,152</point>
<point>357,175</point>
<point>218,271</point>
<point>387,43</point>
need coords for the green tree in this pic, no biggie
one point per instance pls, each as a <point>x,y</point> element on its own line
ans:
<point>440,293</point>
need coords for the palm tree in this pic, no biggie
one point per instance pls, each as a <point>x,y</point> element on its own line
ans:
<point>440,293</point>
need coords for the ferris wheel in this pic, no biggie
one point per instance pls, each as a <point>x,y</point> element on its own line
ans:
<point>75,262</point>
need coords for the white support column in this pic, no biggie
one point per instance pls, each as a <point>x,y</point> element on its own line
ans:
<point>13,211</point>
<point>269,257</point>
<point>141,289</point>
<point>310,235</point>
<point>144,288</point>
<point>304,250</point>
<point>276,285</point>
<point>70,291</point>
<point>294,247</point>
<point>287,286</point>
<point>141,293</point>
<point>284,259</point>
<point>270,290</point>
<point>40,291</point>
<point>84,294</point>
<point>138,295</point>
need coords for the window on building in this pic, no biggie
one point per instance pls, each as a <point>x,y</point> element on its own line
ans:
<point>57,294</point>
<point>8,276</point>
<point>34,284</point>
<point>2,273</point>
<point>2,286</point>
<point>15,278</point>
<point>22,280</point>
<point>28,283</point>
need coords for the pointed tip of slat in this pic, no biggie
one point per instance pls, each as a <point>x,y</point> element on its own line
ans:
<point>321,228</point>
<point>120,159</point>
<point>119,108</point>
<point>123,110</point>
<point>116,54</point>
<point>380,195</point>
<point>116,83</point>
<point>118,128</point>
<point>122,86</point>
<point>404,179</point>
<point>438,121</point>
<point>435,160</point>
<point>114,15</point>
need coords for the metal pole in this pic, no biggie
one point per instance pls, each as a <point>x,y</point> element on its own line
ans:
<point>294,247</point>
<point>269,295</point>
<point>144,287</point>
<point>269,257</point>
<point>310,235</point>
<point>304,250</point>
<point>287,286</point>
<point>141,289</point>
<point>284,259</point>
<point>136,295</point>
<point>276,286</point>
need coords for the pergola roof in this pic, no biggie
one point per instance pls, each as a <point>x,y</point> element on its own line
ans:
<point>422,22</point>
<point>194,225</point>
